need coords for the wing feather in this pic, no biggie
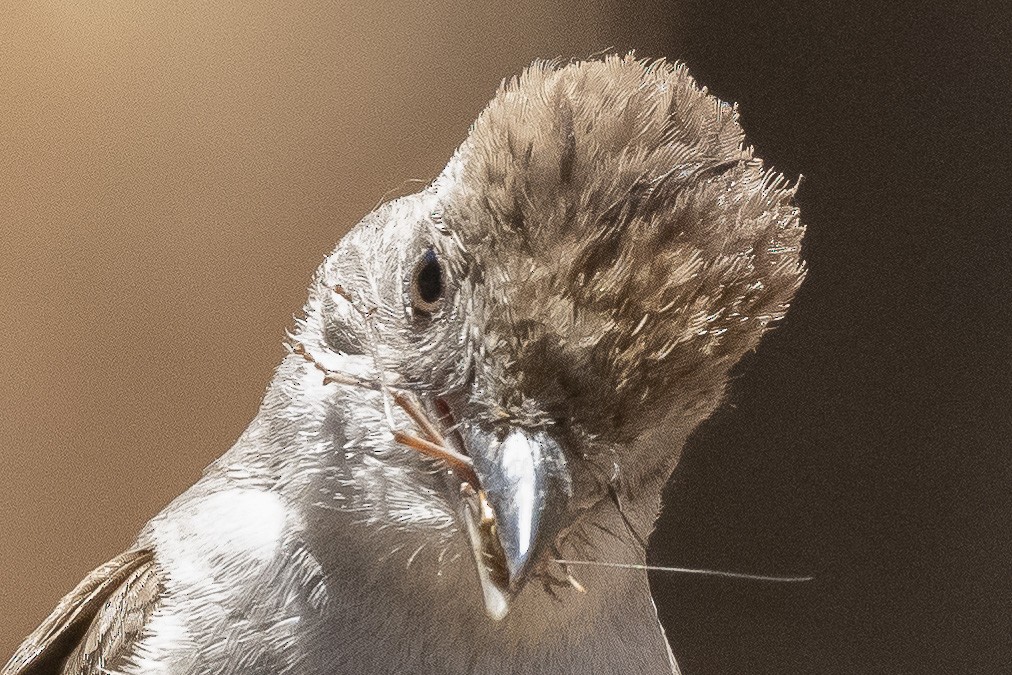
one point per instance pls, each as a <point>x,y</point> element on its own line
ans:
<point>94,623</point>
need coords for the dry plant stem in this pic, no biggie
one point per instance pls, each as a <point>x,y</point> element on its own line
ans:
<point>685,570</point>
<point>338,289</point>
<point>415,412</point>
<point>580,588</point>
<point>332,376</point>
<point>577,586</point>
<point>461,464</point>
<point>367,315</point>
<point>433,446</point>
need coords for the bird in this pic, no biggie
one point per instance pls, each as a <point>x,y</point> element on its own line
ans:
<point>491,382</point>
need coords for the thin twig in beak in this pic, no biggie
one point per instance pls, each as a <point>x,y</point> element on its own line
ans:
<point>374,342</point>
<point>461,464</point>
<point>332,376</point>
<point>434,445</point>
<point>580,588</point>
<point>415,412</point>
<point>577,586</point>
<point>338,289</point>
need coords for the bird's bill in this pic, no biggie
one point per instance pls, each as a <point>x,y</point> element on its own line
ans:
<point>474,513</point>
<point>523,485</point>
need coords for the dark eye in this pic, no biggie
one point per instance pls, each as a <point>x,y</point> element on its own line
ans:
<point>427,283</point>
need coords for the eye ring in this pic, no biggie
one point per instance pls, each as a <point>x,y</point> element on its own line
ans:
<point>427,285</point>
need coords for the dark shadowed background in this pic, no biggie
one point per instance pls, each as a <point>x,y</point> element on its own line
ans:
<point>172,173</point>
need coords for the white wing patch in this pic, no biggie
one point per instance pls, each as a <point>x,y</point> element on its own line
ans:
<point>238,582</point>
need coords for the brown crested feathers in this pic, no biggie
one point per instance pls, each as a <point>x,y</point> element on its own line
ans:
<point>636,236</point>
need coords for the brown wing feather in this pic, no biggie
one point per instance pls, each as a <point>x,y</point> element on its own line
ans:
<point>76,637</point>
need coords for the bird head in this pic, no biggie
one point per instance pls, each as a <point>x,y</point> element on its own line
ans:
<point>563,303</point>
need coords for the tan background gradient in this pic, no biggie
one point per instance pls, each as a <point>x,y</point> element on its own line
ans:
<point>170,176</point>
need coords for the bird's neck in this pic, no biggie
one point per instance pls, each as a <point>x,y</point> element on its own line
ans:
<point>422,609</point>
<point>411,598</point>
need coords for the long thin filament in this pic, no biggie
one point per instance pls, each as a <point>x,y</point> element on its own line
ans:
<point>686,570</point>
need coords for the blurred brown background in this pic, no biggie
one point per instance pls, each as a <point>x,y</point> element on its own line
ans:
<point>172,172</point>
